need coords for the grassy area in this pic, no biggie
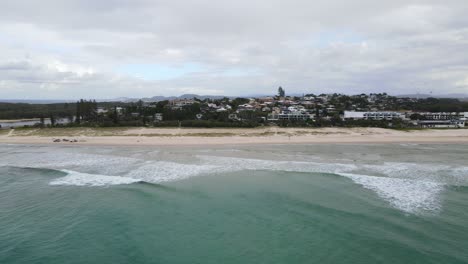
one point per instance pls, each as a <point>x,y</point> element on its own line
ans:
<point>70,132</point>
<point>171,132</point>
<point>123,131</point>
<point>111,131</point>
<point>183,135</point>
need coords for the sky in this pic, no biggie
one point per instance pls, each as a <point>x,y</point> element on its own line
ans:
<point>71,49</point>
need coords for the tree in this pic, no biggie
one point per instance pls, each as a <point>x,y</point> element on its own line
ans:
<point>281,92</point>
<point>78,112</point>
<point>115,115</point>
<point>86,111</point>
<point>238,101</point>
<point>417,116</point>
<point>52,120</point>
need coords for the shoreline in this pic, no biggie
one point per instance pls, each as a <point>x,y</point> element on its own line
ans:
<point>222,136</point>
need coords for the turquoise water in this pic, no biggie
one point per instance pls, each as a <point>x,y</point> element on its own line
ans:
<point>401,203</point>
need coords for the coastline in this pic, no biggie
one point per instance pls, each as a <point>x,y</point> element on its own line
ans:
<point>227,136</point>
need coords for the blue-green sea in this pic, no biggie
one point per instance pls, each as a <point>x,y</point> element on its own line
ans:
<point>323,203</point>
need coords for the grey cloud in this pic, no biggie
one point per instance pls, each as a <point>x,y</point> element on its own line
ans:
<point>15,66</point>
<point>330,46</point>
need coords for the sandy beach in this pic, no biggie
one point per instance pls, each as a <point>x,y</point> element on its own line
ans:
<point>225,136</point>
<point>18,120</point>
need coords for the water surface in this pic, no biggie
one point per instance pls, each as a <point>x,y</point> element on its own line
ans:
<point>373,203</point>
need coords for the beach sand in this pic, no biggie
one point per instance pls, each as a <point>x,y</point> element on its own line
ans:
<point>226,136</point>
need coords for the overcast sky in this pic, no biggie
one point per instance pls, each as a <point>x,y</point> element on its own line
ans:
<point>64,49</point>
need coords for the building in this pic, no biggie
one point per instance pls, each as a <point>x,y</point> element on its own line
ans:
<point>441,123</point>
<point>443,115</point>
<point>179,104</point>
<point>221,109</point>
<point>101,110</point>
<point>352,115</point>
<point>291,116</point>
<point>440,119</point>
<point>119,110</point>
<point>158,117</point>
<point>245,107</point>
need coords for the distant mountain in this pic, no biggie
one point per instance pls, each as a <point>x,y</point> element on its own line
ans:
<point>202,97</point>
<point>184,96</point>
<point>119,99</point>
<point>455,95</point>
<point>424,96</point>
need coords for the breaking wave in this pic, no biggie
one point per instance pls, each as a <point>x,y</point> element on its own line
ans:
<point>74,178</point>
<point>409,187</point>
<point>163,171</point>
<point>411,196</point>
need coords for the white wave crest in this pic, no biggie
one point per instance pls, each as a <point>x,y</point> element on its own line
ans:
<point>84,179</point>
<point>411,196</point>
<point>163,171</point>
<point>447,174</point>
<point>409,187</point>
<point>404,185</point>
<point>63,159</point>
<point>236,164</point>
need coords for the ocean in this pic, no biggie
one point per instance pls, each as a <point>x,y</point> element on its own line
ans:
<point>322,203</point>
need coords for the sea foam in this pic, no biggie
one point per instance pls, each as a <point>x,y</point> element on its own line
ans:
<point>236,164</point>
<point>409,187</point>
<point>74,178</point>
<point>163,171</point>
<point>411,196</point>
<point>451,175</point>
<point>406,186</point>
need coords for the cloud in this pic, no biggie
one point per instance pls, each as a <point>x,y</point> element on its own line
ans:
<point>105,49</point>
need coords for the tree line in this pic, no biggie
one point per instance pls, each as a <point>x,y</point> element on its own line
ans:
<point>85,112</point>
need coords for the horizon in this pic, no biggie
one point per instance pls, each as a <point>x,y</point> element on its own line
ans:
<point>50,50</point>
<point>415,95</point>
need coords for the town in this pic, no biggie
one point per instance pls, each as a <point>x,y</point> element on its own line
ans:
<point>308,110</point>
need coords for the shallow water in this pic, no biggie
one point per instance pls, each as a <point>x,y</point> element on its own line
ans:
<point>393,203</point>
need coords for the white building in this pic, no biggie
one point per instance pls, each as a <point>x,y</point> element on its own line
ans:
<point>352,115</point>
<point>441,123</point>
<point>119,110</point>
<point>440,119</point>
<point>245,107</point>
<point>158,117</point>
<point>101,110</point>
<point>179,104</point>
<point>292,116</point>
<point>443,115</point>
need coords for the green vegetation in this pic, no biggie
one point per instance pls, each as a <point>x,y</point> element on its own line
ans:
<point>25,111</point>
<point>205,124</point>
<point>323,110</point>
<point>70,131</point>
